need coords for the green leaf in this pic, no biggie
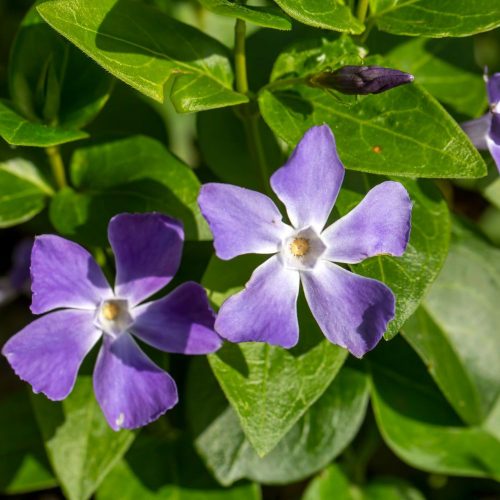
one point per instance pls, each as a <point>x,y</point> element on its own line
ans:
<point>270,388</point>
<point>456,330</point>
<point>317,438</point>
<point>266,16</point>
<point>411,275</point>
<point>23,192</point>
<point>418,424</point>
<point>337,16</point>
<point>25,466</point>
<point>81,446</point>
<point>435,19</point>
<point>18,131</point>
<point>110,32</point>
<point>438,65</point>
<point>51,81</point>
<point>156,467</point>
<point>402,132</point>
<point>135,174</point>
<point>331,483</point>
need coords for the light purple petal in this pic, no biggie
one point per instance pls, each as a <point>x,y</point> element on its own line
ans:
<point>241,220</point>
<point>309,182</point>
<point>379,224</point>
<point>493,86</point>
<point>352,311</point>
<point>131,390</point>
<point>265,310</point>
<point>48,352</point>
<point>148,249</point>
<point>493,139</point>
<point>477,130</point>
<point>181,322</point>
<point>63,274</point>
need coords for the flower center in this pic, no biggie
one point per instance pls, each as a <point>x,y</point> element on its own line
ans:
<point>113,317</point>
<point>110,310</point>
<point>299,247</point>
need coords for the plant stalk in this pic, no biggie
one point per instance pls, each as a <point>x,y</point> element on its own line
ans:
<point>362,10</point>
<point>57,166</point>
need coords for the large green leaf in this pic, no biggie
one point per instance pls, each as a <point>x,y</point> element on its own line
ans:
<point>411,275</point>
<point>50,80</point>
<point>446,68</point>
<point>18,131</point>
<point>418,424</point>
<point>135,174</point>
<point>270,388</point>
<point>337,16</point>
<point>157,468</point>
<point>456,331</point>
<point>435,18</point>
<point>23,192</point>
<point>145,48</point>
<point>266,16</point>
<point>319,436</point>
<point>24,463</point>
<point>81,446</point>
<point>403,132</point>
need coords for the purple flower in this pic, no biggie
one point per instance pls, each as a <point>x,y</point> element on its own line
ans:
<point>351,310</point>
<point>484,132</point>
<point>131,390</point>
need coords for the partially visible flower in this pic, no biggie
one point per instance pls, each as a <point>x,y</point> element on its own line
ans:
<point>17,281</point>
<point>351,310</point>
<point>131,390</point>
<point>484,132</point>
<point>361,79</point>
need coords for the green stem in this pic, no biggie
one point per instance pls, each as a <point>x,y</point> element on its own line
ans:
<point>362,10</point>
<point>286,82</point>
<point>57,166</point>
<point>240,57</point>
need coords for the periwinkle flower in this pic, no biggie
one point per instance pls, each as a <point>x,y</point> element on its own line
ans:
<point>351,310</point>
<point>484,132</point>
<point>361,80</point>
<point>131,390</point>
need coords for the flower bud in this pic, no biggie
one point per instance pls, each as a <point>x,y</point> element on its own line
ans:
<point>360,79</point>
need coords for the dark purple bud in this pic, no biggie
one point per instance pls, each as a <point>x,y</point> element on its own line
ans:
<point>361,79</point>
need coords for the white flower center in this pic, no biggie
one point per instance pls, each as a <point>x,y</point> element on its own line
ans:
<point>113,316</point>
<point>301,250</point>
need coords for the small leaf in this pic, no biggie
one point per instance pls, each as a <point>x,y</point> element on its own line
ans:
<point>81,446</point>
<point>435,19</point>
<point>114,33</point>
<point>317,438</point>
<point>23,192</point>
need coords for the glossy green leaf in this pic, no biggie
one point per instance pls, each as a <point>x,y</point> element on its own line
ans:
<point>135,174</point>
<point>438,65</point>
<point>81,446</point>
<point>418,424</point>
<point>411,275</point>
<point>266,16</point>
<point>270,388</point>
<point>456,332</point>
<point>24,463</point>
<point>317,438</point>
<point>145,48</point>
<point>403,132</point>
<point>157,468</point>
<point>18,131</point>
<point>337,16</point>
<point>50,80</point>
<point>23,192</point>
<point>433,18</point>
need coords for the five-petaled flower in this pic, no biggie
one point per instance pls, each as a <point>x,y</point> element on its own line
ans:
<point>484,132</point>
<point>351,310</point>
<point>131,390</point>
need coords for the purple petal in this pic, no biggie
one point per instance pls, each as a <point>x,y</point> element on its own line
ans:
<point>477,130</point>
<point>493,140</point>
<point>148,249</point>
<point>181,322</point>
<point>48,352</point>
<point>265,310</point>
<point>131,390</point>
<point>309,182</point>
<point>242,221</point>
<point>380,224</point>
<point>352,311</point>
<point>63,274</point>
<point>493,86</point>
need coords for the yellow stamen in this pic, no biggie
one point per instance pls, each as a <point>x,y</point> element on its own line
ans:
<point>299,247</point>
<point>110,311</point>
